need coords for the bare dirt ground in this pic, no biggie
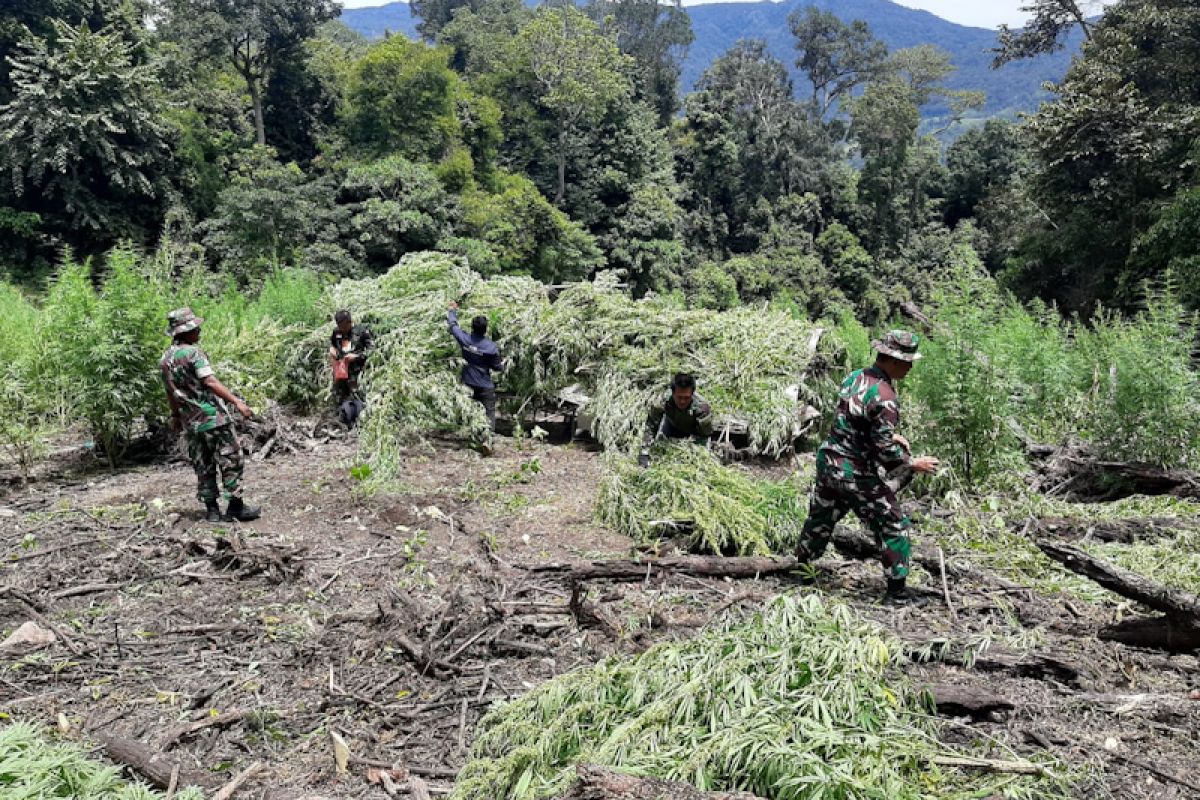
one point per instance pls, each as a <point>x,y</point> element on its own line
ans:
<point>395,620</point>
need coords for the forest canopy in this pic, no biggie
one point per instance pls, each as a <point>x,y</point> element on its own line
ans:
<point>555,142</point>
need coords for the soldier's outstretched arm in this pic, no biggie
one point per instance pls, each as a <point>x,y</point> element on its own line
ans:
<point>220,391</point>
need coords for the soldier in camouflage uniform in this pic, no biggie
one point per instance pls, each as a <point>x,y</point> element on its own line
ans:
<point>198,407</point>
<point>682,415</point>
<point>862,445</point>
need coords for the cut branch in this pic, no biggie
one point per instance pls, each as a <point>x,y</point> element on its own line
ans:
<point>155,767</point>
<point>1182,606</point>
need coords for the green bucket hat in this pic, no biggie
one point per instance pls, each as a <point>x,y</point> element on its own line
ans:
<point>900,345</point>
<point>182,320</point>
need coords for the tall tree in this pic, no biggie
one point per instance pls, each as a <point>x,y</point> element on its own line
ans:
<point>745,141</point>
<point>576,71</point>
<point>1112,152</point>
<point>83,139</point>
<point>255,37</point>
<point>837,57</point>
<point>657,35</point>
<point>1050,21</point>
<point>21,19</point>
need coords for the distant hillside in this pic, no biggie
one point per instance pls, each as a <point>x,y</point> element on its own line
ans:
<point>1011,89</point>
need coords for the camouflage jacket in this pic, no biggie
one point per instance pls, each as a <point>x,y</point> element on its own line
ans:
<point>184,368</point>
<point>668,419</point>
<point>862,440</point>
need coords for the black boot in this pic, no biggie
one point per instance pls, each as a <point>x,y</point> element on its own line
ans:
<point>212,511</point>
<point>240,512</point>
<point>898,593</point>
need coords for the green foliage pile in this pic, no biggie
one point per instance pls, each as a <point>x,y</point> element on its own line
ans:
<point>32,767</point>
<point>619,351</point>
<point>803,700</point>
<point>715,508</point>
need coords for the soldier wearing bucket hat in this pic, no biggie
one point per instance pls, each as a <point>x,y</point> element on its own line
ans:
<point>862,445</point>
<point>198,407</point>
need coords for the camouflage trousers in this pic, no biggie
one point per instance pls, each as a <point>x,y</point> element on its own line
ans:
<point>213,452</point>
<point>873,502</point>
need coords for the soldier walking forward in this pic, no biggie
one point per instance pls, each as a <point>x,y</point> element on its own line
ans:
<point>198,407</point>
<point>863,443</point>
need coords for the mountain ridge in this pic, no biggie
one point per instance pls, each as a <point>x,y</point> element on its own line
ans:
<point>1012,89</point>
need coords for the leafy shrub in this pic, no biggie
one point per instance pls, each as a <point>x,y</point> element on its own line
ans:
<point>1141,390</point>
<point>529,235</point>
<point>115,373</point>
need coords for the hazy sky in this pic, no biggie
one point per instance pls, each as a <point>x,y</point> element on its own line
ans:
<point>981,13</point>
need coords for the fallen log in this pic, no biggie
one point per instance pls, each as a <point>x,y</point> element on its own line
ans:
<point>1180,605</point>
<point>600,783</point>
<point>953,700</point>
<point>1177,632</point>
<point>1075,471</point>
<point>1039,666</point>
<point>702,566</point>
<point>1162,633</point>
<point>154,766</point>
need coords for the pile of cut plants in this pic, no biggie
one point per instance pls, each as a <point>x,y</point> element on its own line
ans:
<point>595,338</point>
<point>804,699</point>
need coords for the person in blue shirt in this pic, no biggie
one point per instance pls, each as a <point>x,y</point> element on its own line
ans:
<point>482,357</point>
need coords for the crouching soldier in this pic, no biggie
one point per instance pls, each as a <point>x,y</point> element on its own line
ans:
<point>863,444</point>
<point>682,415</point>
<point>198,407</point>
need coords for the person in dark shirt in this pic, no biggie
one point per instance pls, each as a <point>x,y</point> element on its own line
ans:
<point>682,415</point>
<point>350,344</point>
<point>482,357</point>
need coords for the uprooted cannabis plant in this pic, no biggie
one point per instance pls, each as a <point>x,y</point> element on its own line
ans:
<point>688,493</point>
<point>802,700</point>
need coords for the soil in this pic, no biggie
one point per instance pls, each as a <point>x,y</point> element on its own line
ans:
<point>394,620</point>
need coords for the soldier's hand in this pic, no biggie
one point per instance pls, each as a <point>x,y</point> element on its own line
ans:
<point>244,409</point>
<point>927,465</point>
<point>453,305</point>
<point>900,440</point>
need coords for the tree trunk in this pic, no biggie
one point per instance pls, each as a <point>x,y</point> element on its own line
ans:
<point>1161,633</point>
<point>260,128</point>
<point>600,783</point>
<point>1177,632</point>
<point>561,196</point>
<point>953,700</point>
<point>1181,605</point>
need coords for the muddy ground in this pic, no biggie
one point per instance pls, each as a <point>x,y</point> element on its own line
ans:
<point>395,620</point>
